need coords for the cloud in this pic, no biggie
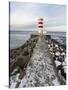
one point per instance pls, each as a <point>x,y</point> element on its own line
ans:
<point>56,28</point>
<point>24,15</point>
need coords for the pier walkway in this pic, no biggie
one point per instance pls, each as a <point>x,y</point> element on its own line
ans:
<point>40,71</point>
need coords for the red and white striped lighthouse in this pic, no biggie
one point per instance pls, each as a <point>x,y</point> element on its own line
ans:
<point>40,26</point>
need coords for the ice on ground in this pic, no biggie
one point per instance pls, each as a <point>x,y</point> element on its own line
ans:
<point>55,82</point>
<point>14,80</point>
<point>16,69</point>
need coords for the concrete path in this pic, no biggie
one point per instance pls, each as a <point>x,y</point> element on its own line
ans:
<point>40,71</point>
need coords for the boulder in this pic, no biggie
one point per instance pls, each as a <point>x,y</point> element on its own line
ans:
<point>22,61</point>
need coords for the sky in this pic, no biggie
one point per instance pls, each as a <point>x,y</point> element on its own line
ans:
<point>24,16</point>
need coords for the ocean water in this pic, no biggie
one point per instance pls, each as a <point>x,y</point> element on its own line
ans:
<point>59,36</point>
<point>18,38</point>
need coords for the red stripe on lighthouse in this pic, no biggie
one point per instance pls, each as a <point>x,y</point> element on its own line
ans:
<point>40,22</point>
<point>40,26</point>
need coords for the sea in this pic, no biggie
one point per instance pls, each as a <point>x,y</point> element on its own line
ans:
<point>18,38</point>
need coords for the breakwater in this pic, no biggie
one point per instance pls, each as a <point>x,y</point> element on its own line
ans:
<point>35,52</point>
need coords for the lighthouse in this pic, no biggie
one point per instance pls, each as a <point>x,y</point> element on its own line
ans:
<point>40,26</point>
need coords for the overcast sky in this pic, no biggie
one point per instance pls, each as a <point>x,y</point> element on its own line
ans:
<point>24,16</point>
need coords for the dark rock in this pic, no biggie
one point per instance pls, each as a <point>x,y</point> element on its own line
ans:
<point>22,61</point>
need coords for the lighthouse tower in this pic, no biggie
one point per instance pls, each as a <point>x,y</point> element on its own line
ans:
<point>40,26</point>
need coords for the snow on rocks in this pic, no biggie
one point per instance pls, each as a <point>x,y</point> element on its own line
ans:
<point>56,45</point>
<point>57,53</point>
<point>13,80</point>
<point>40,71</point>
<point>57,63</point>
<point>59,58</point>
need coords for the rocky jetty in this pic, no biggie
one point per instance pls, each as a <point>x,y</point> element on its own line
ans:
<point>41,61</point>
<point>40,72</point>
